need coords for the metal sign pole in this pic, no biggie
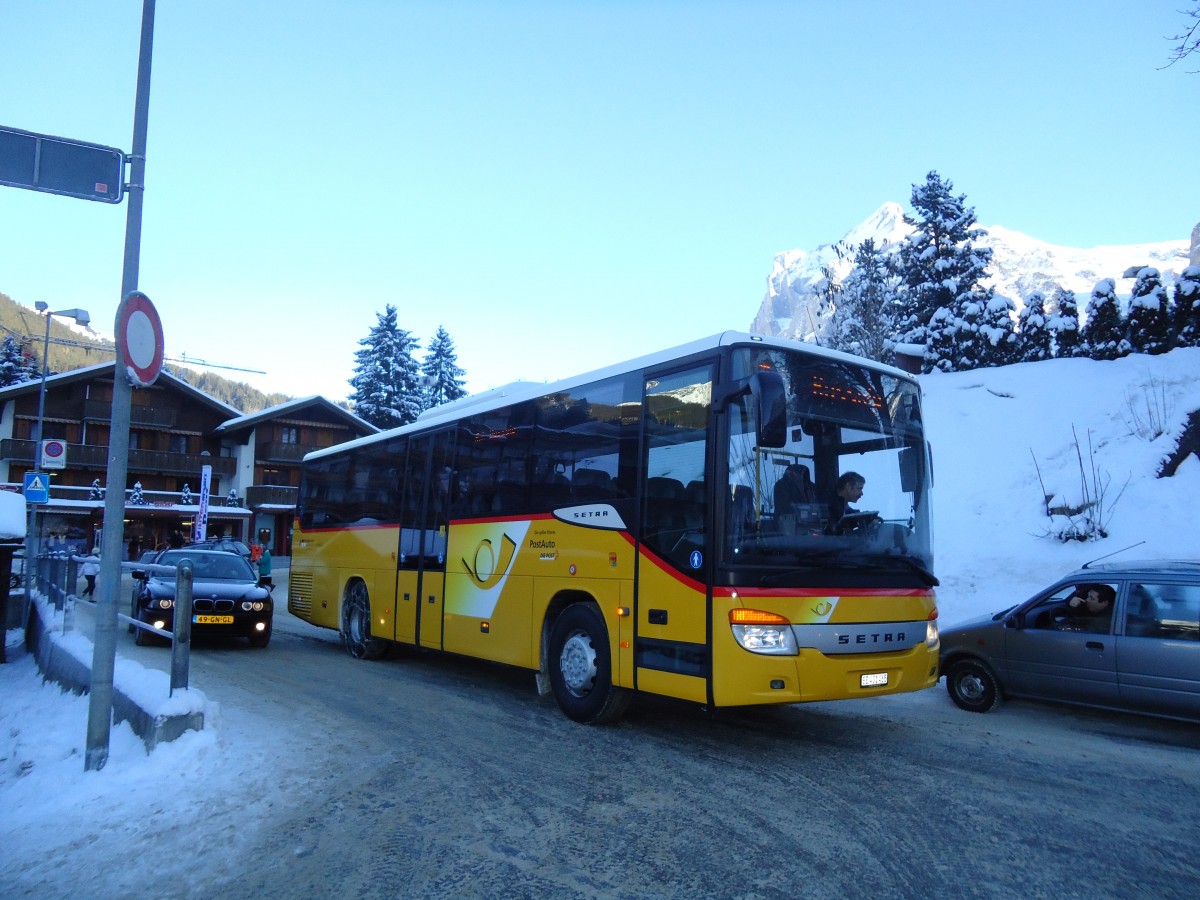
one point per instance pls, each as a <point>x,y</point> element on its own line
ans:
<point>105,649</point>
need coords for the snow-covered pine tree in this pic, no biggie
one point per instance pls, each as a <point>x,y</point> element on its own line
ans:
<point>1103,334</point>
<point>386,382</point>
<point>185,496</point>
<point>1186,324</point>
<point>1148,325</point>
<point>1033,335</point>
<point>828,291</point>
<point>864,305</point>
<point>15,366</point>
<point>940,264</point>
<point>232,499</point>
<point>997,333</point>
<point>441,367</point>
<point>136,498</point>
<point>943,337</point>
<point>1063,325</point>
<point>97,492</point>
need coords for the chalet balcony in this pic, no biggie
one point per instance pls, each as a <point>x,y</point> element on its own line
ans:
<point>91,456</point>
<point>260,495</point>
<point>277,451</point>
<point>145,416</point>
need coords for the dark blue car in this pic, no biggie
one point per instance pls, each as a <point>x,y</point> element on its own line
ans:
<point>227,598</point>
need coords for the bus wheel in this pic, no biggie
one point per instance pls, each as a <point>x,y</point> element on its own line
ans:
<point>972,686</point>
<point>356,625</point>
<point>581,667</point>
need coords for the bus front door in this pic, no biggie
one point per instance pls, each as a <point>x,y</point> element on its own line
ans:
<point>431,477</point>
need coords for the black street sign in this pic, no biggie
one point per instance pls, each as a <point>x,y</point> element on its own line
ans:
<point>57,165</point>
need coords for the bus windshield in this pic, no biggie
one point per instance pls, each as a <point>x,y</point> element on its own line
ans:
<point>848,490</point>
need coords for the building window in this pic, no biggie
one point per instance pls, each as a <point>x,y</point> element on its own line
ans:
<point>135,440</point>
<point>291,435</point>
<point>179,443</point>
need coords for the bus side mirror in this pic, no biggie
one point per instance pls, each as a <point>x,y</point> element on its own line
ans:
<point>770,407</point>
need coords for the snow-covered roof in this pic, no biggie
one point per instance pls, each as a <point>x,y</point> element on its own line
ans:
<point>87,372</point>
<point>12,516</point>
<point>281,409</point>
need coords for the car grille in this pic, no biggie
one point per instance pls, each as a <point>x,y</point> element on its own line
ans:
<point>205,605</point>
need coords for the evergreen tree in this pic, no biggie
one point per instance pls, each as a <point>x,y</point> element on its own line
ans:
<point>442,371</point>
<point>185,498</point>
<point>136,498</point>
<point>1148,326</point>
<point>942,269</point>
<point>15,366</point>
<point>97,492</point>
<point>387,379</point>
<point>998,344</point>
<point>1186,324</point>
<point>232,499</point>
<point>1033,331</point>
<point>864,305</point>
<point>943,335</point>
<point>1064,324</point>
<point>1103,335</point>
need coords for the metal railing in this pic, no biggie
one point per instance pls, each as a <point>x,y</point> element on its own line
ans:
<point>55,576</point>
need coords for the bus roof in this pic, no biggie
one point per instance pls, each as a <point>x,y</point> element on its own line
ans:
<point>519,391</point>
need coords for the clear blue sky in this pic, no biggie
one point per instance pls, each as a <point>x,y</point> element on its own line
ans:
<point>563,185</point>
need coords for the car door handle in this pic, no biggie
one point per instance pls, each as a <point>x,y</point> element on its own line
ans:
<point>1094,645</point>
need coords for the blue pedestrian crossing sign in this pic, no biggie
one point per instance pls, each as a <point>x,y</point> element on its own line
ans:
<point>37,487</point>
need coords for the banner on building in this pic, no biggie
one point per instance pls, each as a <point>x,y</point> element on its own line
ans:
<point>200,530</point>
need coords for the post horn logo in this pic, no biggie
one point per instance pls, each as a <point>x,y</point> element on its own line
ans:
<point>487,569</point>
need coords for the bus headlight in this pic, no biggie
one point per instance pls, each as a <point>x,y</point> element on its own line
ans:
<point>762,632</point>
<point>931,633</point>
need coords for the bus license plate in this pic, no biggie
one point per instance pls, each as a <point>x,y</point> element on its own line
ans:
<point>219,620</point>
<point>873,679</point>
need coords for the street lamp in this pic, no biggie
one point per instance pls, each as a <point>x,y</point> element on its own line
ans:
<point>81,317</point>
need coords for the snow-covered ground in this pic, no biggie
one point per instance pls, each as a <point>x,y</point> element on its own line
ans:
<point>1080,422</point>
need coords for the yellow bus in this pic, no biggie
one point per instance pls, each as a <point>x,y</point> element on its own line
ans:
<point>677,525</point>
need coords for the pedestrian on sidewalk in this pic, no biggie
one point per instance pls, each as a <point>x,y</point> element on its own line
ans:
<point>264,568</point>
<point>89,570</point>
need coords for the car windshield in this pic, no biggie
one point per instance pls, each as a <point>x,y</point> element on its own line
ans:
<point>849,487</point>
<point>211,566</point>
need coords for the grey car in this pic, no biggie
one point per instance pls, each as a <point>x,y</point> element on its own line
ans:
<point>1116,636</point>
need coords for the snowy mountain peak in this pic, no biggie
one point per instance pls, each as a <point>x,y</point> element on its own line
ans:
<point>1021,264</point>
<point>886,225</point>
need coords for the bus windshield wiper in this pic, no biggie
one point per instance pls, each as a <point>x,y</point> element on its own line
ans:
<point>917,566</point>
<point>843,560</point>
<point>830,559</point>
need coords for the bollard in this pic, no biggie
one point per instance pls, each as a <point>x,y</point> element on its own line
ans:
<point>72,575</point>
<point>181,643</point>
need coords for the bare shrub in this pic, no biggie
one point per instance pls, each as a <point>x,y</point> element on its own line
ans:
<point>1147,410</point>
<point>1088,519</point>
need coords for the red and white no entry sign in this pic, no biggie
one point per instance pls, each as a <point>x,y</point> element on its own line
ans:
<point>140,338</point>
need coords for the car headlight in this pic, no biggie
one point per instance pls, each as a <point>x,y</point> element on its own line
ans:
<point>165,603</point>
<point>762,632</point>
<point>253,605</point>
